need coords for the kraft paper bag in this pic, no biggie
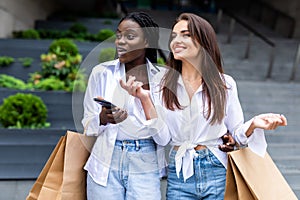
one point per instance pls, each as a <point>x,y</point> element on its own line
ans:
<point>63,176</point>
<point>251,177</point>
<point>37,186</point>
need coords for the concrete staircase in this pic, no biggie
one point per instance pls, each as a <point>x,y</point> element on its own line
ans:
<point>283,143</point>
<point>260,95</point>
<point>257,95</point>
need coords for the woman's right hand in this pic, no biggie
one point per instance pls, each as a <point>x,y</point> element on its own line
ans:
<point>135,88</point>
<point>112,115</point>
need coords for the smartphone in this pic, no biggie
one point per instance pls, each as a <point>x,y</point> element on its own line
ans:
<point>105,103</point>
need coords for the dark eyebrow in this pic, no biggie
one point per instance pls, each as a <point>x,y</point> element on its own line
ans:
<point>127,31</point>
<point>184,31</point>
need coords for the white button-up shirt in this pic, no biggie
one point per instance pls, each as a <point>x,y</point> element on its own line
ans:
<point>189,127</point>
<point>104,82</point>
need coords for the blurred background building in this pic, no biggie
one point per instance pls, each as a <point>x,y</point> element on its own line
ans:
<point>22,14</point>
<point>259,41</point>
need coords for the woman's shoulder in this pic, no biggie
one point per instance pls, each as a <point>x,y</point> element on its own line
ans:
<point>102,67</point>
<point>229,80</point>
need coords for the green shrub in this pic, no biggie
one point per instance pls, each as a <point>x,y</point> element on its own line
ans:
<point>51,83</point>
<point>60,67</point>
<point>58,74</point>
<point>105,34</point>
<point>11,82</point>
<point>90,37</point>
<point>79,82</point>
<point>23,111</point>
<point>30,34</point>
<point>27,34</point>
<point>78,28</point>
<point>6,60</point>
<point>59,64</point>
<point>26,61</point>
<point>51,34</point>
<point>17,34</point>
<point>63,46</point>
<point>107,22</point>
<point>107,54</point>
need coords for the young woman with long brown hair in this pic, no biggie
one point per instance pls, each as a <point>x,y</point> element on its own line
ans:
<point>198,104</point>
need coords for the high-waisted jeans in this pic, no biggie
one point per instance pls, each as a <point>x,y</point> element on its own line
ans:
<point>133,175</point>
<point>208,181</point>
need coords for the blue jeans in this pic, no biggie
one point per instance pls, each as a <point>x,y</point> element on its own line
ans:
<point>133,174</point>
<point>208,181</point>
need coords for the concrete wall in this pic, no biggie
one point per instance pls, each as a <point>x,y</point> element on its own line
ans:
<point>20,14</point>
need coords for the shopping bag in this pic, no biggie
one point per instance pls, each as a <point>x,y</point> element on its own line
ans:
<point>251,177</point>
<point>37,186</point>
<point>63,176</point>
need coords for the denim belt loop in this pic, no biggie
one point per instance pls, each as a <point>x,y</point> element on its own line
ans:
<point>137,145</point>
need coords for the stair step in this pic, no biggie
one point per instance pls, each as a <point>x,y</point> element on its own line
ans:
<point>283,149</point>
<point>282,138</point>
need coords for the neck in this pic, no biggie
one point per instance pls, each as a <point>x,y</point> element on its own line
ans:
<point>137,63</point>
<point>190,72</point>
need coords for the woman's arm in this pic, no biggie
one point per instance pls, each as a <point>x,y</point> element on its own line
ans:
<point>135,89</point>
<point>155,114</point>
<point>234,118</point>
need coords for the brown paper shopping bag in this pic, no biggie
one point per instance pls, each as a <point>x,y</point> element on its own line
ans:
<point>251,177</point>
<point>37,186</point>
<point>63,176</point>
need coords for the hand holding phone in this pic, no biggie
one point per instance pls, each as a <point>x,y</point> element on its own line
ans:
<point>105,103</point>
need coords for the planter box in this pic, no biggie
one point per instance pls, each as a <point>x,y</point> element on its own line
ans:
<point>24,47</point>
<point>60,106</point>
<point>20,48</point>
<point>35,47</point>
<point>17,70</point>
<point>24,152</point>
<point>93,25</point>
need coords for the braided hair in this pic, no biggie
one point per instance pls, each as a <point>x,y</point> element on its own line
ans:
<point>150,29</point>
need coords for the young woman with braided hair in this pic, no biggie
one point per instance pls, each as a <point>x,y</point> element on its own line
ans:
<point>127,160</point>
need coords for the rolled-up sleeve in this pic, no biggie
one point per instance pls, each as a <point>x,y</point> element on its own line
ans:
<point>159,127</point>
<point>91,121</point>
<point>234,120</point>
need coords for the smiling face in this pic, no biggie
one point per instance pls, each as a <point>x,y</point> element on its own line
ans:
<point>182,45</point>
<point>130,43</point>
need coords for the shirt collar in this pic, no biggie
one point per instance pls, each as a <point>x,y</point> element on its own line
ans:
<point>152,69</point>
<point>120,68</point>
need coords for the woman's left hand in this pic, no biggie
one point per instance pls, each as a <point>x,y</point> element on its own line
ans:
<point>269,121</point>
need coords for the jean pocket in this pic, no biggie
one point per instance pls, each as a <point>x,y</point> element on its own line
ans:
<point>214,160</point>
<point>149,157</point>
<point>143,162</point>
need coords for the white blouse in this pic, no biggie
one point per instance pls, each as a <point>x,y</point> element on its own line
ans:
<point>188,128</point>
<point>104,82</point>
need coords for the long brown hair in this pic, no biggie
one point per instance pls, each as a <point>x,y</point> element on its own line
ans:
<point>214,88</point>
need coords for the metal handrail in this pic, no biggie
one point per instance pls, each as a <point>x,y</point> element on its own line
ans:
<point>296,64</point>
<point>252,31</point>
